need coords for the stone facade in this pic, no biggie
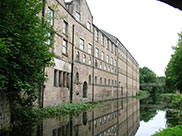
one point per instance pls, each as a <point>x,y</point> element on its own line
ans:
<point>90,64</point>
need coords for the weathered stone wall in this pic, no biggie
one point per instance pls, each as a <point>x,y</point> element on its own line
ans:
<point>124,73</point>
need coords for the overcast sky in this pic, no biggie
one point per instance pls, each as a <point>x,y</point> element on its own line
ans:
<point>147,28</point>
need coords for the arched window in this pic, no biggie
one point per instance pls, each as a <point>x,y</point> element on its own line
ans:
<point>101,80</point>
<point>85,90</point>
<point>77,56</point>
<point>84,117</point>
<point>77,77</point>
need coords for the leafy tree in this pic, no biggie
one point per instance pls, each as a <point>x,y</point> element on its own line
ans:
<point>23,53</point>
<point>148,76</point>
<point>174,70</point>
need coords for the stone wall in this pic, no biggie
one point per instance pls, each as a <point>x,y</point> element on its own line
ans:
<point>100,62</point>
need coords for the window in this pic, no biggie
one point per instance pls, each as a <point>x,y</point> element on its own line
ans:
<point>100,65</point>
<point>55,77</point>
<point>112,82</point>
<point>81,44</point>
<point>102,55</point>
<point>95,80</point>
<point>107,58</point>
<point>50,16</point>
<point>102,42</point>
<point>109,82</point>
<point>84,58</point>
<point>111,47</point>
<point>96,35</point>
<point>114,62</point>
<point>89,61</point>
<point>97,52</point>
<point>78,16</point>
<point>77,56</point>
<point>64,46</point>
<point>104,66</point>
<point>89,48</point>
<point>95,123</point>
<point>101,80</point>
<point>111,60</point>
<point>89,79</point>
<point>108,44</point>
<point>88,26</point>
<point>96,63</point>
<point>104,81</point>
<point>109,68</point>
<point>100,121</point>
<point>115,83</point>
<point>68,80</point>
<point>112,69</point>
<point>77,77</point>
<point>65,27</point>
<point>59,80</point>
<point>64,79</point>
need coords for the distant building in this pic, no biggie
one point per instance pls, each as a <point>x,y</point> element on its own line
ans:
<point>90,64</point>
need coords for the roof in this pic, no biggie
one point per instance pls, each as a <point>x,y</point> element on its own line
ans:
<point>110,36</point>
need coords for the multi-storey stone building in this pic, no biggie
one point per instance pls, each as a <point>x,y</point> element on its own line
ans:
<point>90,64</point>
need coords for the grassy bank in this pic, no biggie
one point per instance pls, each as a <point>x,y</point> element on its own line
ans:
<point>66,109</point>
<point>170,131</point>
<point>142,95</point>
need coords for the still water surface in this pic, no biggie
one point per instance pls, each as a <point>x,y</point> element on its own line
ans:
<point>122,117</point>
<point>115,118</point>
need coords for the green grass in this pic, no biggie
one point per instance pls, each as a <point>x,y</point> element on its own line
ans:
<point>142,94</point>
<point>170,131</point>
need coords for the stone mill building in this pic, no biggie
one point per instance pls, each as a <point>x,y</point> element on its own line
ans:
<point>90,63</point>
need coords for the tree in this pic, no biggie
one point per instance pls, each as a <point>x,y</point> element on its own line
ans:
<point>174,70</point>
<point>23,53</point>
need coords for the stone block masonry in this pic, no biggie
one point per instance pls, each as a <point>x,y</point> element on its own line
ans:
<point>90,63</point>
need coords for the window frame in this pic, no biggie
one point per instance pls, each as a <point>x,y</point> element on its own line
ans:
<point>81,45</point>
<point>65,47</point>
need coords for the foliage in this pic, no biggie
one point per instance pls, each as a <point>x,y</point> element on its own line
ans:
<point>174,117</point>
<point>170,131</point>
<point>142,94</point>
<point>174,101</point>
<point>148,76</point>
<point>67,109</point>
<point>147,113</point>
<point>174,109</point>
<point>174,70</point>
<point>34,118</point>
<point>23,53</point>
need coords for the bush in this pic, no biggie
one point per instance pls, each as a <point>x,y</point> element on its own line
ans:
<point>170,131</point>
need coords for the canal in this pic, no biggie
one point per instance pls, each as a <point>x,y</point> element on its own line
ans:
<point>122,117</point>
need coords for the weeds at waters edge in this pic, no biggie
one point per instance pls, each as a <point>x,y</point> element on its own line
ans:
<point>67,109</point>
<point>142,95</point>
<point>170,131</point>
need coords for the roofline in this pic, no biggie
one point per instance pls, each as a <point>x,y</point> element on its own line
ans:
<point>116,43</point>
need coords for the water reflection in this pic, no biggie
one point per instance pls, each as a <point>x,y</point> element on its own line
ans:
<point>115,118</point>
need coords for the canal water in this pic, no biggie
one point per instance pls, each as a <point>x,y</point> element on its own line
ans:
<point>122,117</point>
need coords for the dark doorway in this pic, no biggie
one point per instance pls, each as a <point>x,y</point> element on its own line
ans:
<point>85,90</point>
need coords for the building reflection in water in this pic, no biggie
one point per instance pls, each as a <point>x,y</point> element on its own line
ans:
<point>116,118</point>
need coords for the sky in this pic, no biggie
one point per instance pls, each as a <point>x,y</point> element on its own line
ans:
<point>153,125</point>
<point>147,28</point>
